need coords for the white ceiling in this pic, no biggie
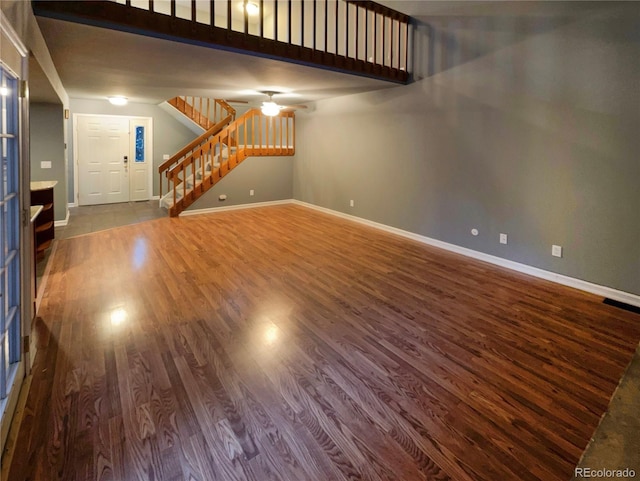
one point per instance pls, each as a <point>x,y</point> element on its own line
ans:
<point>96,63</point>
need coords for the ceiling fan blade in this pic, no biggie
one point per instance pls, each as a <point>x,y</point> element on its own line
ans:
<point>236,101</point>
<point>294,107</point>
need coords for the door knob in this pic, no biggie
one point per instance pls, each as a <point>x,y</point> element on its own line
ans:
<point>126,159</point>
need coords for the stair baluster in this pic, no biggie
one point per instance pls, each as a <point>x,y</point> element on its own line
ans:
<point>211,156</point>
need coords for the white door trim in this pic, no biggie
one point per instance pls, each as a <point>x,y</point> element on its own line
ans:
<point>131,142</point>
<point>147,122</point>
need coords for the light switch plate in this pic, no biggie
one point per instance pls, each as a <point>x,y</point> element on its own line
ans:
<point>45,164</point>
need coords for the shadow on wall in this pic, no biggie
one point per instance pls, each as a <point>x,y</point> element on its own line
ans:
<point>447,42</point>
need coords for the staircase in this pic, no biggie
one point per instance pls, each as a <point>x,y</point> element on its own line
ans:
<point>203,111</point>
<point>226,142</point>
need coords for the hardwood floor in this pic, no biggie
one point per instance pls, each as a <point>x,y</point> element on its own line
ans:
<point>284,344</point>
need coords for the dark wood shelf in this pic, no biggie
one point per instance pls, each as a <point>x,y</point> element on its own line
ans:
<point>44,224</point>
<point>44,227</point>
<point>44,245</point>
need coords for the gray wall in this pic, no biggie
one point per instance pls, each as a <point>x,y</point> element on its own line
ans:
<point>169,135</point>
<point>526,126</point>
<point>46,132</point>
<point>271,178</point>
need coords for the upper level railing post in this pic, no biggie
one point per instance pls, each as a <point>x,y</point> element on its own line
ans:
<point>245,17</point>
<point>406,49</point>
<point>337,29</point>
<point>261,18</point>
<point>326,24</point>
<point>275,21</point>
<point>391,43</point>
<point>289,40</point>
<point>346,31</point>
<point>375,37</point>
<point>357,31</point>
<point>315,22</point>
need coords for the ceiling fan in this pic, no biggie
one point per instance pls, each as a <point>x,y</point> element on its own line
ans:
<point>269,107</point>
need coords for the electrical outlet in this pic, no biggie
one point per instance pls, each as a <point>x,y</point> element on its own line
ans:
<point>556,251</point>
<point>503,238</point>
<point>351,203</point>
<point>166,156</point>
<point>45,164</point>
<point>251,192</point>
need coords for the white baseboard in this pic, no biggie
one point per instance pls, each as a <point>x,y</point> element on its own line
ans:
<point>155,197</point>
<point>72,204</point>
<point>234,207</point>
<point>597,289</point>
<point>62,223</point>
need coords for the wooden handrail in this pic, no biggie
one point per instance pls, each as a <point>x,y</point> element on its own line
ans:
<point>210,160</point>
<point>207,113</point>
<point>194,143</point>
<point>203,110</point>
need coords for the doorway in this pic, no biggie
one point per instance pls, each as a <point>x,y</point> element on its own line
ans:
<point>113,159</point>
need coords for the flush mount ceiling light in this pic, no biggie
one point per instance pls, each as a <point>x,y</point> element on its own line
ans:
<point>118,100</point>
<point>251,8</point>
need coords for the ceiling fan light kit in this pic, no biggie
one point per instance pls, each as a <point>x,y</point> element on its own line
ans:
<point>271,109</point>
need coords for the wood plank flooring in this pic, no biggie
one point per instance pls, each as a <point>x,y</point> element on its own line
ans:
<point>283,344</point>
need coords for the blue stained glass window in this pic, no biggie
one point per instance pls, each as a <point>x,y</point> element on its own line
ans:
<point>139,144</point>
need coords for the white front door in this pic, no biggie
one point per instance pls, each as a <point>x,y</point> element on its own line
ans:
<point>103,158</point>
<point>114,158</point>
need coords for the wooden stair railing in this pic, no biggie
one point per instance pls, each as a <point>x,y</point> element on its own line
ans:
<point>203,111</point>
<point>190,147</point>
<point>252,134</point>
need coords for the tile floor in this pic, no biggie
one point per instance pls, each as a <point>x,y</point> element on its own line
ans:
<point>93,218</point>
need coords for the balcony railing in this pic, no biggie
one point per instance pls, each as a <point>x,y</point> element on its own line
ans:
<point>359,37</point>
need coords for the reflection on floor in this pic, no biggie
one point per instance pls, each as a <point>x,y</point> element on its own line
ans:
<point>94,218</point>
